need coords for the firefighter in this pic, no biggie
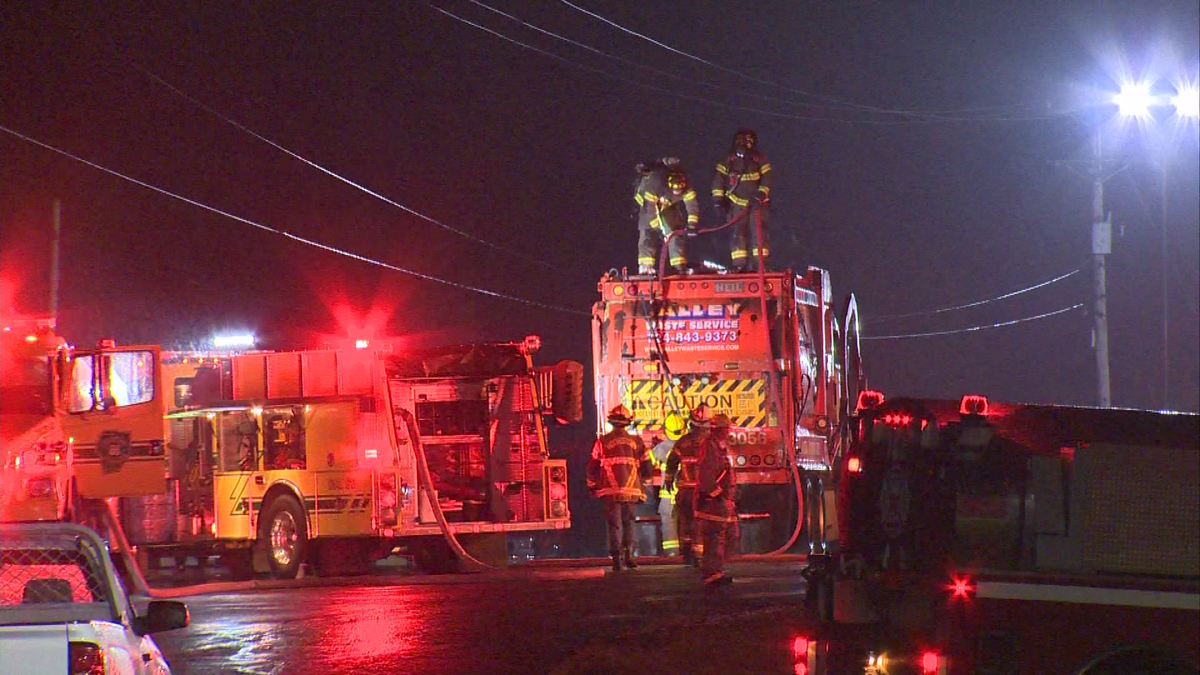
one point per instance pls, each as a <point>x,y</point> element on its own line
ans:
<point>742,187</point>
<point>666,204</point>
<point>680,478</point>
<point>674,426</point>
<point>619,464</point>
<point>716,512</point>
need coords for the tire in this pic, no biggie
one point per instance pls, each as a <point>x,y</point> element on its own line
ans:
<point>284,530</point>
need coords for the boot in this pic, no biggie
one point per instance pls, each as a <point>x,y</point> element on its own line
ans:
<point>616,558</point>
<point>629,561</point>
<point>689,557</point>
<point>645,269</point>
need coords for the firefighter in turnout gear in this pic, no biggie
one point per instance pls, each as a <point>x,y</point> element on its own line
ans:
<point>742,187</point>
<point>619,464</point>
<point>716,512</point>
<point>666,204</point>
<point>680,478</point>
<point>674,426</point>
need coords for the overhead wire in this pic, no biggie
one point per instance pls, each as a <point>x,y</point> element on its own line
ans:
<point>831,101</point>
<point>972,329</point>
<point>294,237</point>
<point>977,303</point>
<point>661,90</point>
<point>338,176</point>
<point>912,116</point>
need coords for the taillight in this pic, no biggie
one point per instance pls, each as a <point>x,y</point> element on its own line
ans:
<point>87,658</point>
<point>854,465</point>
<point>804,655</point>
<point>388,499</point>
<point>961,587</point>
<point>930,663</point>
<point>556,491</point>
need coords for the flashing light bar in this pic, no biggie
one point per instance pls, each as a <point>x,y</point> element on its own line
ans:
<point>227,341</point>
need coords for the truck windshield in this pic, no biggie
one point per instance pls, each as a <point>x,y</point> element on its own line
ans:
<point>109,380</point>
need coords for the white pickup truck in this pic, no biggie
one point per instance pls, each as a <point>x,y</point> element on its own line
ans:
<point>63,608</point>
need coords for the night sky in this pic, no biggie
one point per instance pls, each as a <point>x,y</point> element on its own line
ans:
<point>914,145</point>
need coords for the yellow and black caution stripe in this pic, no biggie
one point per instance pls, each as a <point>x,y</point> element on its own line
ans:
<point>743,400</point>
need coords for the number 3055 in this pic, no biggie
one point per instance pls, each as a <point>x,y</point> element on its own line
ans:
<point>749,437</point>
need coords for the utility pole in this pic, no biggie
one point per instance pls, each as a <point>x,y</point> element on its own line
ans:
<point>57,225</point>
<point>1101,247</point>
<point>1166,272</point>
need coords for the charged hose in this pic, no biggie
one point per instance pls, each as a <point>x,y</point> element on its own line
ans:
<point>109,516</point>
<point>791,455</point>
<point>471,564</point>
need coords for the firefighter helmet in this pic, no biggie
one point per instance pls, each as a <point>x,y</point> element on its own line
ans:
<point>674,425</point>
<point>700,415</point>
<point>721,421</point>
<point>620,416</point>
<point>677,181</point>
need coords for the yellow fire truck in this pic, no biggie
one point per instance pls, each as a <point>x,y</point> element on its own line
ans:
<point>76,426</point>
<point>338,456</point>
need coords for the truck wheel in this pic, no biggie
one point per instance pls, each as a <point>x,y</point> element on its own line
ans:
<point>285,532</point>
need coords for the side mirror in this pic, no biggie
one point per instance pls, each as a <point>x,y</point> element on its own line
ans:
<point>162,615</point>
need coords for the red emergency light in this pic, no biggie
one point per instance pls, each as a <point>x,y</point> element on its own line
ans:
<point>898,419</point>
<point>962,587</point>
<point>869,399</point>
<point>930,662</point>
<point>854,465</point>
<point>973,404</point>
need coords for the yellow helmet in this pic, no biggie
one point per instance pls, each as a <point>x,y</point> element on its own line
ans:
<point>677,181</point>
<point>674,425</point>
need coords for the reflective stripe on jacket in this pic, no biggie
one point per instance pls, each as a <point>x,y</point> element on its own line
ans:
<point>714,489</point>
<point>740,180</point>
<point>619,463</point>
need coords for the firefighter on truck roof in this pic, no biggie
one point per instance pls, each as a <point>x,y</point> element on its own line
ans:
<point>619,464</point>
<point>715,509</point>
<point>666,205</point>
<point>742,187</point>
<point>680,477</point>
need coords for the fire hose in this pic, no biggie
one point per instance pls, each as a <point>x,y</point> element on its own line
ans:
<point>762,293</point>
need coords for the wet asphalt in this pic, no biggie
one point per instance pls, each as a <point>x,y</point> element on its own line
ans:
<point>569,618</point>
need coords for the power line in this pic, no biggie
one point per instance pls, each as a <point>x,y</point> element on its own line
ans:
<point>833,101</point>
<point>661,90</point>
<point>294,237</point>
<point>972,329</point>
<point>892,317</point>
<point>339,177</point>
<point>912,118</point>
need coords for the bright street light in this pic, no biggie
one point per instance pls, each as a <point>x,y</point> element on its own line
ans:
<point>1134,99</point>
<point>1187,102</point>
